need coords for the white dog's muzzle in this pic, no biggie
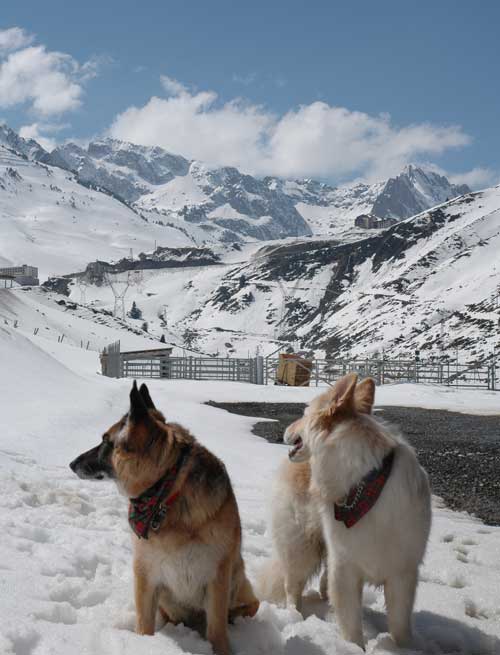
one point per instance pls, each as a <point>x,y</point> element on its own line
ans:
<point>299,451</point>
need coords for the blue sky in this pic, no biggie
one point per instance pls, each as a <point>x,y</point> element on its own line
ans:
<point>336,90</point>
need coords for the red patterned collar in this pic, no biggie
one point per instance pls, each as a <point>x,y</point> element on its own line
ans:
<point>147,511</point>
<point>362,497</point>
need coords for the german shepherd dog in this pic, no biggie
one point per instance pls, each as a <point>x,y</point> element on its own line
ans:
<point>184,517</point>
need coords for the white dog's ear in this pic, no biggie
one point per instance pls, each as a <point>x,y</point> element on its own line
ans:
<point>343,391</point>
<point>341,399</point>
<point>364,396</point>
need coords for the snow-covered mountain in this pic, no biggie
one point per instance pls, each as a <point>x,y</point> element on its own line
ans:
<point>27,147</point>
<point>235,205</point>
<point>331,211</point>
<point>200,205</point>
<point>413,191</point>
<point>48,219</point>
<point>429,283</point>
<point>225,203</point>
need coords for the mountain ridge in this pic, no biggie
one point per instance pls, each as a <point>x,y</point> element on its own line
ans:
<point>228,205</point>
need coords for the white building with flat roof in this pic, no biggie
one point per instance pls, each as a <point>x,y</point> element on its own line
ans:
<point>26,275</point>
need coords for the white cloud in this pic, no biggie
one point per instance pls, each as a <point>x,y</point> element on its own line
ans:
<point>44,79</point>
<point>14,38</point>
<point>47,82</point>
<point>321,140</point>
<point>317,140</point>
<point>172,86</point>
<point>39,132</point>
<point>477,178</point>
<point>229,135</point>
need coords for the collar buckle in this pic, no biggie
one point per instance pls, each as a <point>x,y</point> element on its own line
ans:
<point>158,518</point>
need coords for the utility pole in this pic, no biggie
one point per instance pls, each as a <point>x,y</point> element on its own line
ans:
<point>82,283</point>
<point>119,285</point>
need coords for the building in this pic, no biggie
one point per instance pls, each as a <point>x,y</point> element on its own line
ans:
<point>24,275</point>
<point>372,222</point>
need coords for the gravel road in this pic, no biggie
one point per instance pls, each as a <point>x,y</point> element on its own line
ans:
<point>461,452</point>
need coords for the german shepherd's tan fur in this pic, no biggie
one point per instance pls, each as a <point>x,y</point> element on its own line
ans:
<point>192,564</point>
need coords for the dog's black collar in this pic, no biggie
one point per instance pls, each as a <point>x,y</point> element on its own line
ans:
<point>363,496</point>
<point>147,511</point>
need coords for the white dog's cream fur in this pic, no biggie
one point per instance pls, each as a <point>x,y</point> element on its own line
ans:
<point>341,442</point>
<point>297,534</point>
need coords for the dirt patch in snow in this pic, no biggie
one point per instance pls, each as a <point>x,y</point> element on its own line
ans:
<point>461,452</point>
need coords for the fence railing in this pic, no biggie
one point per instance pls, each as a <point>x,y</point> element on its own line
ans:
<point>159,364</point>
<point>484,375</point>
<point>196,368</point>
<point>259,370</point>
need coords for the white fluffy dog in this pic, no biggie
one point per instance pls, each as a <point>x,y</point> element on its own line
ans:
<point>374,501</point>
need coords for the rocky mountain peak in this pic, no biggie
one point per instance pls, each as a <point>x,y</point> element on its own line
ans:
<point>27,147</point>
<point>414,190</point>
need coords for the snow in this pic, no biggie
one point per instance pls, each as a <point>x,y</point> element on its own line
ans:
<point>174,195</point>
<point>336,219</point>
<point>50,221</point>
<point>38,316</point>
<point>65,556</point>
<point>225,211</point>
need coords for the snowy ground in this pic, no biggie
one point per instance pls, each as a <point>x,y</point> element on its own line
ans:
<point>65,557</point>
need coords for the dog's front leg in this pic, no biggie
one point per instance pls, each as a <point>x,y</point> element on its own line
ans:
<point>245,603</point>
<point>146,600</point>
<point>345,588</point>
<point>218,607</point>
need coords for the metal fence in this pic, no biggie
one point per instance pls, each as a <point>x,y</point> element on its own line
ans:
<point>259,370</point>
<point>483,375</point>
<point>159,364</point>
<point>197,368</point>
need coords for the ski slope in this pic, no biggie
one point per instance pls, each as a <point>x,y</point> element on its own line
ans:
<point>37,315</point>
<point>65,555</point>
<point>49,220</point>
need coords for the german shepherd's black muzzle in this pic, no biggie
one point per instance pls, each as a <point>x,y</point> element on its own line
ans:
<point>95,464</point>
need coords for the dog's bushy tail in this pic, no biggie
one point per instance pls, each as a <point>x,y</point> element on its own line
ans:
<point>270,582</point>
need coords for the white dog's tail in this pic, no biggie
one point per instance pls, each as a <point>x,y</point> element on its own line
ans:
<point>270,583</point>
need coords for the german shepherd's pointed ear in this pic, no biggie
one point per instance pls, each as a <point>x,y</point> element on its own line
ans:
<point>364,396</point>
<point>148,401</point>
<point>138,409</point>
